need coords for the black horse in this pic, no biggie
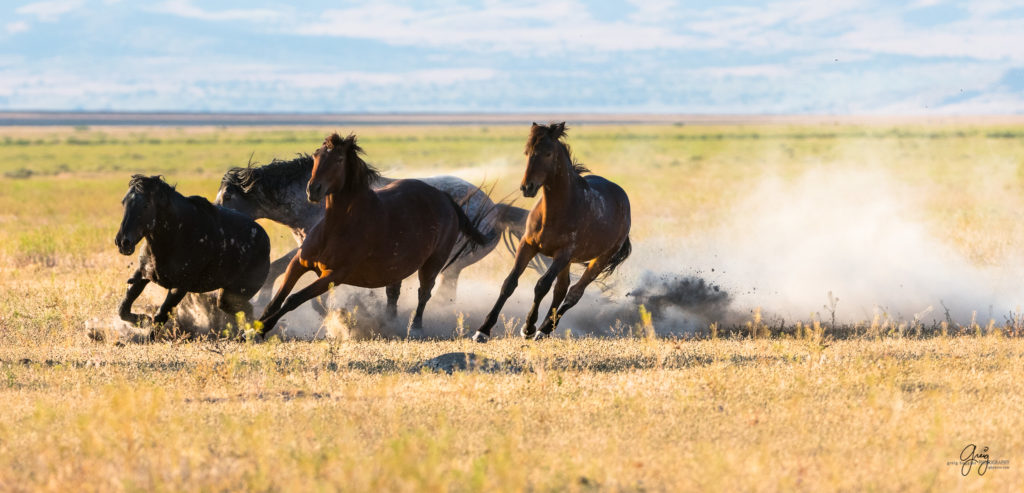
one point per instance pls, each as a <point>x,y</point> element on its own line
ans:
<point>192,246</point>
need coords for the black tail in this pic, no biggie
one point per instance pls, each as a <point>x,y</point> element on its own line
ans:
<point>511,221</point>
<point>617,259</point>
<point>469,228</point>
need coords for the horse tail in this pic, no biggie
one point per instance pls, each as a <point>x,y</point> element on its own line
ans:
<point>511,221</point>
<point>617,259</point>
<point>471,229</point>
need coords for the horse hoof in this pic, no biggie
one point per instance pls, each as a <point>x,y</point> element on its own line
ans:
<point>541,335</point>
<point>527,331</point>
<point>416,334</point>
<point>480,337</point>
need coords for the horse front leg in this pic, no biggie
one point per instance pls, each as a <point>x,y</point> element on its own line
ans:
<point>277,268</point>
<point>174,296</point>
<point>136,284</point>
<point>318,287</point>
<point>292,274</point>
<point>560,263</point>
<point>524,254</point>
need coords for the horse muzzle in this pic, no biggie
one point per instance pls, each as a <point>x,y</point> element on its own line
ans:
<point>125,245</point>
<point>529,189</point>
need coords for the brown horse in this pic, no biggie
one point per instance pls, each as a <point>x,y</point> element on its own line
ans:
<point>579,219</point>
<point>371,238</point>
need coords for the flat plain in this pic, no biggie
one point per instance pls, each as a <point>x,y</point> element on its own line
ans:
<point>748,407</point>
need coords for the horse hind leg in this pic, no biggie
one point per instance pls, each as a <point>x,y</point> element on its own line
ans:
<point>427,275</point>
<point>392,291</point>
<point>449,283</point>
<point>573,296</point>
<point>561,287</point>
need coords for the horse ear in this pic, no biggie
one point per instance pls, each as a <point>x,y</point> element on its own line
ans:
<point>558,129</point>
<point>336,139</point>
<point>534,126</point>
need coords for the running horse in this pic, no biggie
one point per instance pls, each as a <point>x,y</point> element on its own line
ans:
<point>277,191</point>
<point>579,219</point>
<point>192,246</point>
<point>371,238</point>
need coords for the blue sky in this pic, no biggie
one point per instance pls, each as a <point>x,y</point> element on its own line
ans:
<point>661,56</point>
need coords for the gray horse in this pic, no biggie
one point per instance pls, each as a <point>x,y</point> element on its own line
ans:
<point>277,191</point>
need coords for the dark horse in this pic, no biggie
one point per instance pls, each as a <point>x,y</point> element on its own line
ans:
<point>192,246</point>
<point>579,219</point>
<point>277,191</point>
<point>371,238</point>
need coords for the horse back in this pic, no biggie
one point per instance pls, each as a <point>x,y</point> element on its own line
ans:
<point>214,248</point>
<point>594,223</point>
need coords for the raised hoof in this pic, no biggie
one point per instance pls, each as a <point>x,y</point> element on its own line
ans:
<point>416,334</point>
<point>541,335</point>
<point>480,337</point>
<point>527,332</point>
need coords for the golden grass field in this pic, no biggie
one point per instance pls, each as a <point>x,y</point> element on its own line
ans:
<point>750,409</point>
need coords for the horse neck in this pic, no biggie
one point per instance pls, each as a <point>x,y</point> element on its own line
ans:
<point>350,205</point>
<point>560,187</point>
<point>292,208</point>
<point>168,222</point>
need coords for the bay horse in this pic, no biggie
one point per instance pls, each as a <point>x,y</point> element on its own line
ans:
<point>192,246</point>
<point>371,238</point>
<point>579,219</point>
<point>277,191</point>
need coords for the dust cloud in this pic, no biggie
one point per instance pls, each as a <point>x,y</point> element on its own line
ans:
<point>782,249</point>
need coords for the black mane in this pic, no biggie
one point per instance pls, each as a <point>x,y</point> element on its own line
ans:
<point>267,180</point>
<point>277,174</point>
<point>150,185</point>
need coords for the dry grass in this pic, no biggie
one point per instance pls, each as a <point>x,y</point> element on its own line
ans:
<point>789,410</point>
<point>582,414</point>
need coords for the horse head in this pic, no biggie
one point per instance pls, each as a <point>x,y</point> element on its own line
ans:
<point>338,167</point>
<point>146,196</point>
<point>546,157</point>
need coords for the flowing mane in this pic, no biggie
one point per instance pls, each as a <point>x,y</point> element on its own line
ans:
<point>274,176</point>
<point>555,132</point>
<point>358,173</point>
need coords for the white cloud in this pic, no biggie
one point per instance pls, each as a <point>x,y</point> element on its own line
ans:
<point>554,26</point>
<point>983,39</point>
<point>49,10</point>
<point>185,8</point>
<point>761,70</point>
<point>171,83</point>
<point>16,27</point>
<point>843,56</point>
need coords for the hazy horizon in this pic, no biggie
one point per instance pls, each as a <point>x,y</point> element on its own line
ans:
<point>794,57</point>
